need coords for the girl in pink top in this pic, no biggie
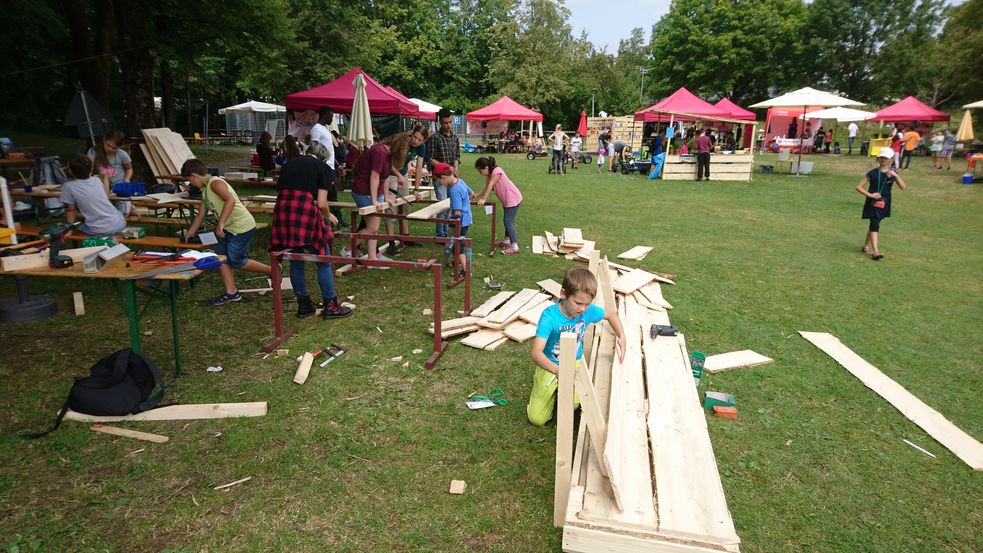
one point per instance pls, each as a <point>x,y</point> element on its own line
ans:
<point>508,194</point>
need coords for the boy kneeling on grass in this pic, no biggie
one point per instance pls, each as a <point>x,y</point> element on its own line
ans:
<point>572,313</point>
<point>235,228</point>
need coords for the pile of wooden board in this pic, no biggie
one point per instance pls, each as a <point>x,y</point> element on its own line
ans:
<point>165,151</point>
<point>643,476</point>
<point>570,243</point>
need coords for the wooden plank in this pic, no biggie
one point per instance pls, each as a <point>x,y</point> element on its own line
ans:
<point>191,411</point>
<point>551,242</point>
<point>456,331</point>
<point>402,200</point>
<point>633,281</point>
<point>513,306</point>
<point>605,287</point>
<point>591,408</point>
<point>688,490</point>
<point>537,244</point>
<point>928,419</point>
<point>521,333</point>
<point>482,338</point>
<point>626,452</point>
<point>573,237</point>
<point>304,369</point>
<point>494,345</point>
<point>590,539</point>
<point>735,359</point>
<point>491,304</point>
<point>661,277</point>
<point>40,259</point>
<point>532,314</point>
<point>79,302</point>
<point>431,210</point>
<point>564,426</point>
<point>637,253</point>
<point>511,319</point>
<point>551,286</point>
<point>653,292</point>
<point>151,161</point>
<point>451,324</point>
<point>126,433</point>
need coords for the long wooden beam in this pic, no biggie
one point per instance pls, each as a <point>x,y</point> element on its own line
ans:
<point>182,412</point>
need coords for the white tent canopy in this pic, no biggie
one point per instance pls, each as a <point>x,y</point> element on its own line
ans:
<point>425,106</point>
<point>974,105</point>
<point>253,106</point>
<point>806,97</point>
<point>841,114</point>
<point>249,119</point>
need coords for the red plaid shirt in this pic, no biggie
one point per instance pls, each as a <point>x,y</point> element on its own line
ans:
<point>298,222</point>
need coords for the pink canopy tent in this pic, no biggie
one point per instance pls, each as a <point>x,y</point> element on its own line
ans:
<point>736,111</point>
<point>339,95</point>
<point>778,120</point>
<point>504,109</point>
<point>910,109</point>
<point>685,105</point>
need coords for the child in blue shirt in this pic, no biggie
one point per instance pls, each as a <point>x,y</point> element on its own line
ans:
<point>572,313</point>
<point>460,195</point>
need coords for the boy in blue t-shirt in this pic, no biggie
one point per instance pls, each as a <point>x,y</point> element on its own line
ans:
<point>572,313</point>
<point>460,195</point>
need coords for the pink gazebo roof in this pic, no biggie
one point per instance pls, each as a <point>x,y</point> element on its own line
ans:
<point>339,95</point>
<point>910,109</point>
<point>505,109</point>
<point>736,111</point>
<point>682,102</point>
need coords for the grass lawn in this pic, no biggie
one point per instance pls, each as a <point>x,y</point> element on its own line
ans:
<point>361,456</point>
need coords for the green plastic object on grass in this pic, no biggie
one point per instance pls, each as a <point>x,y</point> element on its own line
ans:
<point>696,362</point>
<point>712,399</point>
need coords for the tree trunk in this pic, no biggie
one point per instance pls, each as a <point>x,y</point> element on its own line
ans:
<point>95,48</point>
<point>167,94</point>
<point>137,53</point>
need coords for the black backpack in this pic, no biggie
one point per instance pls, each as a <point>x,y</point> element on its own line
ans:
<point>117,385</point>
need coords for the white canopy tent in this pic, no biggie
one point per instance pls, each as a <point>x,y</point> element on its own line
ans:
<point>843,115</point>
<point>806,98</point>
<point>252,118</point>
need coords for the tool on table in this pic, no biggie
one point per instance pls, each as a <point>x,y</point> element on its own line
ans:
<point>55,235</point>
<point>333,352</point>
<point>496,396</point>
<point>663,330</point>
<point>205,263</point>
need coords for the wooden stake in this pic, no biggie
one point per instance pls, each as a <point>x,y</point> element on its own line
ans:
<point>564,427</point>
<point>230,484</point>
<point>135,434</point>
<point>304,369</point>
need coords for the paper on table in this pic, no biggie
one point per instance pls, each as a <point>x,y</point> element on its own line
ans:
<point>196,255</point>
<point>207,238</point>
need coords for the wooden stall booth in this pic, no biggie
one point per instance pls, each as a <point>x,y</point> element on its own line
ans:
<point>733,166</point>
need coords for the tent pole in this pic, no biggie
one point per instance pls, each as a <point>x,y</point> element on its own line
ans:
<point>798,169</point>
<point>88,120</point>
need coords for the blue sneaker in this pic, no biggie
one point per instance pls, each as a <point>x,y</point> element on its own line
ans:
<point>226,298</point>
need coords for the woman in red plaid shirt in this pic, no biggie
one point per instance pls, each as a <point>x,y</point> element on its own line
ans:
<point>299,226</point>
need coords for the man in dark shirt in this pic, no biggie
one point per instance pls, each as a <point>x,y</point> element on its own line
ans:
<point>443,147</point>
<point>703,147</point>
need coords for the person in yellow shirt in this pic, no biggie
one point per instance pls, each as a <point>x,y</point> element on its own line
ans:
<point>910,139</point>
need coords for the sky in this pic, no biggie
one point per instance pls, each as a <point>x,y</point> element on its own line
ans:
<point>606,26</point>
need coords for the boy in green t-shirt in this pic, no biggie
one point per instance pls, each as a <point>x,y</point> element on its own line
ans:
<point>235,228</point>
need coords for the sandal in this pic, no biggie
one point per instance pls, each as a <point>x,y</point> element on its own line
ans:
<point>876,256</point>
<point>866,249</point>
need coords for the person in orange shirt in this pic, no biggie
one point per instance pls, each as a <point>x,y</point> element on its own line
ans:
<point>910,140</point>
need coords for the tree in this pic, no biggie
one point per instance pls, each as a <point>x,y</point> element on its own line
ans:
<point>741,49</point>
<point>960,52</point>
<point>851,41</point>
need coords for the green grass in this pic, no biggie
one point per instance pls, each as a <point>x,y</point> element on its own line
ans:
<point>361,456</point>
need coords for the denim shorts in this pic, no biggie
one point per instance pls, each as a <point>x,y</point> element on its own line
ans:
<point>235,247</point>
<point>366,200</point>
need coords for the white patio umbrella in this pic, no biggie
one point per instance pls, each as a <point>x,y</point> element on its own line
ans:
<point>425,106</point>
<point>360,126</point>
<point>806,98</point>
<point>842,115</point>
<point>974,105</point>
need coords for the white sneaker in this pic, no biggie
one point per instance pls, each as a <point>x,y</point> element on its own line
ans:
<point>345,252</point>
<point>381,257</point>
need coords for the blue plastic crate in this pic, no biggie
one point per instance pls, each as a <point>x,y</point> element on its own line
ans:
<point>129,189</point>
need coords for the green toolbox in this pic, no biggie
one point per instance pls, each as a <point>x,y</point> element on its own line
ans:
<point>711,399</point>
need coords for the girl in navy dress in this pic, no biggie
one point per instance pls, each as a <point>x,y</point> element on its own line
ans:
<point>877,205</point>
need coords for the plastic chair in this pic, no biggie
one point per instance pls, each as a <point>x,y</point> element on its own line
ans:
<point>784,156</point>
